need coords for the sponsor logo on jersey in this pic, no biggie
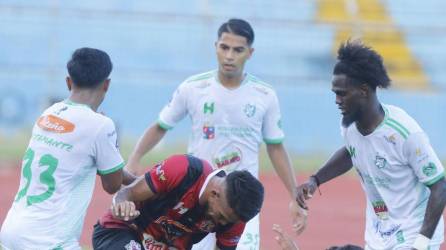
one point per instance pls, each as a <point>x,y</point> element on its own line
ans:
<point>208,108</point>
<point>386,233</point>
<point>172,228</point>
<point>249,110</point>
<point>160,172</point>
<point>55,124</point>
<point>228,158</point>
<point>391,139</point>
<point>132,245</point>
<point>380,209</point>
<point>208,132</point>
<point>380,162</point>
<point>430,169</point>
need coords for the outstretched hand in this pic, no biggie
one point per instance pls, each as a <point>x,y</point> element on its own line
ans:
<point>305,192</point>
<point>284,241</point>
<point>299,217</point>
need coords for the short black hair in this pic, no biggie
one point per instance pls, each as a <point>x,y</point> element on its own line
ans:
<point>238,27</point>
<point>346,247</point>
<point>245,194</point>
<point>361,64</point>
<point>89,67</point>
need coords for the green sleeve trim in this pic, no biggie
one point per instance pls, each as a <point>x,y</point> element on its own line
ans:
<point>164,125</point>
<point>435,180</point>
<point>273,141</point>
<point>104,172</point>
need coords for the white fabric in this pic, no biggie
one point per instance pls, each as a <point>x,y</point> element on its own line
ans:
<point>77,143</point>
<point>395,164</point>
<point>250,239</point>
<point>228,125</point>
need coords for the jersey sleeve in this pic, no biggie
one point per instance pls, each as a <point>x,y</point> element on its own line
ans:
<point>107,156</point>
<point>167,175</point>
<point>175,110</point>
<point>422,158</point>
<point>228,239</point>
<point>272,124</point>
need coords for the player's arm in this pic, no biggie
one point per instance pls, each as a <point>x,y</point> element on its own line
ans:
<point>339,163</point>
<point>435,208</point>
<point>427,167</point>
<point>123,206</point>
<point>282,165</point>
<point>151,137</point>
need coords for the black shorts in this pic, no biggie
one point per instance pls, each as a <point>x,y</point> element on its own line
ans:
<point>115,238</point>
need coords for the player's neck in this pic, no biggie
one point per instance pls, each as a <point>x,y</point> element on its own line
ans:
<point>371,117</point>
<point>231,82</point>
<point>86,97</point>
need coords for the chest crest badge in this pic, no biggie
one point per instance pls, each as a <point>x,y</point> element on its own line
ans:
<point>380,162</point>
<point>249,110</point>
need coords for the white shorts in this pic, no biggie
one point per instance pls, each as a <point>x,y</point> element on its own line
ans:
<point>250,239</point>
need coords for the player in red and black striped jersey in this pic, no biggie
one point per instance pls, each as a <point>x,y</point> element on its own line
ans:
<point>176,204</point>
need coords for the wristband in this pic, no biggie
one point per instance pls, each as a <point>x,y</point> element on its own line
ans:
<point>318,183</point>
<point>421,242</point>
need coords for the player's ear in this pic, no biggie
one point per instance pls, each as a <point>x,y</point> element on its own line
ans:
<point>365,89</point>
<point>106,85</point>
<point>69,83</point>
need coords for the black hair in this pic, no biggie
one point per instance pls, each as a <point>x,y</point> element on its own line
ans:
<point>361,64</point>
<point>89,67</point>
<point>346,247</point>
<point>245,194</point>
<point>238,27</point>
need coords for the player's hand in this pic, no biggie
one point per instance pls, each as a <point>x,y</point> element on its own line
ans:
<point>305,192</point>
<point>125,210</point>
<point>284,241</point>
<point>299,217</point>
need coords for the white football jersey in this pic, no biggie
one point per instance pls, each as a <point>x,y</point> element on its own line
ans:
<point>396,164</point>
<point>70,143</point>
<point>228,125</point>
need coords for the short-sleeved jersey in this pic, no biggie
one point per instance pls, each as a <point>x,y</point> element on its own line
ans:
<point>175,218</point>
<point>396,163</point>
<point>228,125</point>
<point>70,144</point>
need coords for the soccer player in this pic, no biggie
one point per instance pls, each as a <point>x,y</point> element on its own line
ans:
<point>70,144</point>
<point>178,202</point>
<point>399,171</point>
<point>231,112</point>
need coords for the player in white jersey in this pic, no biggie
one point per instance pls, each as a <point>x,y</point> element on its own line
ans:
<point>232,112</point>
<point>70,144</point>
<point>399,171</point>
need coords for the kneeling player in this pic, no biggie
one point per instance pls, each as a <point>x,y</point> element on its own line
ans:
<point>176,204</point>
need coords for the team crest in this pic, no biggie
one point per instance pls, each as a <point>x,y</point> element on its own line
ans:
<point>380,162</point>
<point>250,110</point>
